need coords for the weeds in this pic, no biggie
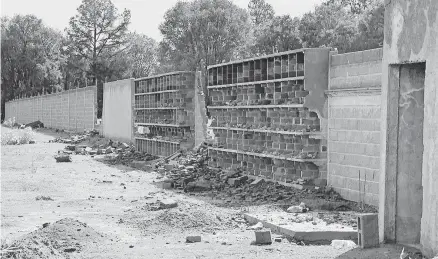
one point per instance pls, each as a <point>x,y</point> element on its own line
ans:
<point>18,137</point>
<point>9,250</point>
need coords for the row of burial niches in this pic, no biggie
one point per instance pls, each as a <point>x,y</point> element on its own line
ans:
<point>270,68</point>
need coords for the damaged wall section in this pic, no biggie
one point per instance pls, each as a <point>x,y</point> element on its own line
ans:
<point>164,108</point>
<point>260,118</point>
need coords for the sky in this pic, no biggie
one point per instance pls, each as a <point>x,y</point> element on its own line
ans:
<point>146,15</point>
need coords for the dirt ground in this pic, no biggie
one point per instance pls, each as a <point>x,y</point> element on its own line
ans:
<point>115,203</point>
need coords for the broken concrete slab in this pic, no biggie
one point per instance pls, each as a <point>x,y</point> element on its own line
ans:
<point>257,181</point>
<point>142,165</point>
<point>62,158</point>
<point>338,244</point>
<point>167,204</point>
<point>193,239</point>
<point>234,181</point>
<point>305,231</point>
<point>167,185</point>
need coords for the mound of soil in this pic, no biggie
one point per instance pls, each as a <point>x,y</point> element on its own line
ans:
<point>62,239</point>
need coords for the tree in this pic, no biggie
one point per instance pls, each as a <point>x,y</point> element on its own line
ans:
<point>142,55</point>
<point>260,12</point>
<point>280,34</point>
<point>371,25</point>
<point>31,57</point>
<point>330,25</point>
<point>200,33</point>
<point>98,30</point>
<point>354,6</point>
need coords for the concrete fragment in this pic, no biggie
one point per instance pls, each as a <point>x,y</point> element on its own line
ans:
<point>258,181</point>
<point>257,226</point>
<point>70,147</point>
<point>168,167</point>
<point>298,209</point>
<point>167,204</point>
<point>193,239</point>
<point>62,158</point>
<point>263,237</point>
<point>320,182</point>
<point>338,244</point>
<point>166,185</point>
<point>234,181</point>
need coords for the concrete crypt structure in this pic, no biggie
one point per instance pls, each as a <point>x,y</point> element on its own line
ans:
<point>408,209</point>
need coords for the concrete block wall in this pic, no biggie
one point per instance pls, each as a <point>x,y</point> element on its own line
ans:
<point>117,114</point>
<point>354,125</point>
<point>73,110</point>
<point>362,69</point>
<point>164,106</point>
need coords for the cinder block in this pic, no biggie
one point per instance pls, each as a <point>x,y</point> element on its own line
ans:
<point>263,237</point>
<point>368,230</point>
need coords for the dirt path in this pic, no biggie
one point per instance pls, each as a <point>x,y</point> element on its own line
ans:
<point>94,193</point>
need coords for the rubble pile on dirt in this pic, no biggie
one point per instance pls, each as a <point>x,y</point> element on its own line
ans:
<point>57,240</point>
<point>75,139</point>
<point>188,216</point>
<point>189,172</point>
<point>126,157</point>
<point>92,144</point>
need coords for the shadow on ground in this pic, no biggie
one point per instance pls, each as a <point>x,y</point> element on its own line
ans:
<point>392,251</point>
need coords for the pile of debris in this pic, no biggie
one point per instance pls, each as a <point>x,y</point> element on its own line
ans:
<point>57,240</point>
<point>125,158</point>
<point>76,139</point>
<point>189,172</point>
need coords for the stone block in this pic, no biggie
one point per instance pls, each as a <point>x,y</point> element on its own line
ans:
<point>263,237</point>
<point>368,230</point>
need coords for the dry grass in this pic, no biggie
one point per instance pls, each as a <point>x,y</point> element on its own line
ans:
<point>17,136</point>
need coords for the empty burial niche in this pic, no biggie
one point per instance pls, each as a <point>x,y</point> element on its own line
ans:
<point>409,194</point>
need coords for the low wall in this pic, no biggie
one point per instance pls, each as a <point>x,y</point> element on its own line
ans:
<point>73,110</point>
<point>354,125</point>
<point>117,117</point>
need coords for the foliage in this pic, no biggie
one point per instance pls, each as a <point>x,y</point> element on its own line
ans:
<point>354,6</point>
<point>97,30</point>
<point>202,32</point>
<point>97,34</point>
<point>141,54</point>
<point>330,25</point>
<point>371,23</point>
<point>31,56</point>
<point>260,12</point>
<point>17,136</point>
<point>281,34</point>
